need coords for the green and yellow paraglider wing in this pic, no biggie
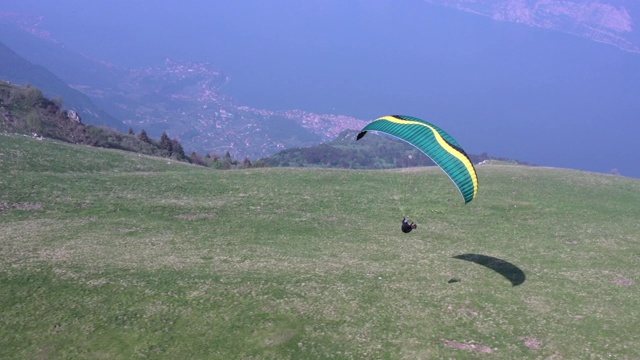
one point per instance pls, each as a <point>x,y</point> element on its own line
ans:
<point>443,149</point>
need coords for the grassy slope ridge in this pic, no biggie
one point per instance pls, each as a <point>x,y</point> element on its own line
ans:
<point>108,254</point>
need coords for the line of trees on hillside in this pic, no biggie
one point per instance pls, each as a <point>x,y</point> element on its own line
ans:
<point>173,149</point>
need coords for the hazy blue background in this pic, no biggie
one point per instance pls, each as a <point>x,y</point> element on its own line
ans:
<point>504,88</point>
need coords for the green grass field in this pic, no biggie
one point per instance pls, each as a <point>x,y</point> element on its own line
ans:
<point>106,254</point>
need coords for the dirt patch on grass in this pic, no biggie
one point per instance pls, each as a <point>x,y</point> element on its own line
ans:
<point>532,343</point>
<point>25,206</point>
<point>621,280</point>
<point>470,312</point>
<point>467,346</point>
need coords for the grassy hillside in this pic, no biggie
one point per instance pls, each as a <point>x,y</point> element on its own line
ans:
<point>108,254</point>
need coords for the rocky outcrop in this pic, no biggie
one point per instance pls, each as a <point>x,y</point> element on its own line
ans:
<point>74,116</point>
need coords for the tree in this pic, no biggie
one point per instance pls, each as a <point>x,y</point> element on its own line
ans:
<point>143,137</point>
<point>177,150</point>
<point>196,159</point>
<point>228,159</point>
<point>131,131</point>
<point>165,143</point>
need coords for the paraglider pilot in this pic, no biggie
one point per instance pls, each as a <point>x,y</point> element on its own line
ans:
<point>406,227</point>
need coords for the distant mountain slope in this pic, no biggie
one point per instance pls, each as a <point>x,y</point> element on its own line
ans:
<point>609,22</point>
<point>18,70</point>
<point>20,32</point>
<point>184,99</point>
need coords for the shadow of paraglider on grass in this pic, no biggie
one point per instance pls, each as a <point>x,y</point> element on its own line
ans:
<point>508,270</point>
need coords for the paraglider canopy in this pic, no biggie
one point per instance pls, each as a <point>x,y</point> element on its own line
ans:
<point>443,149</point>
